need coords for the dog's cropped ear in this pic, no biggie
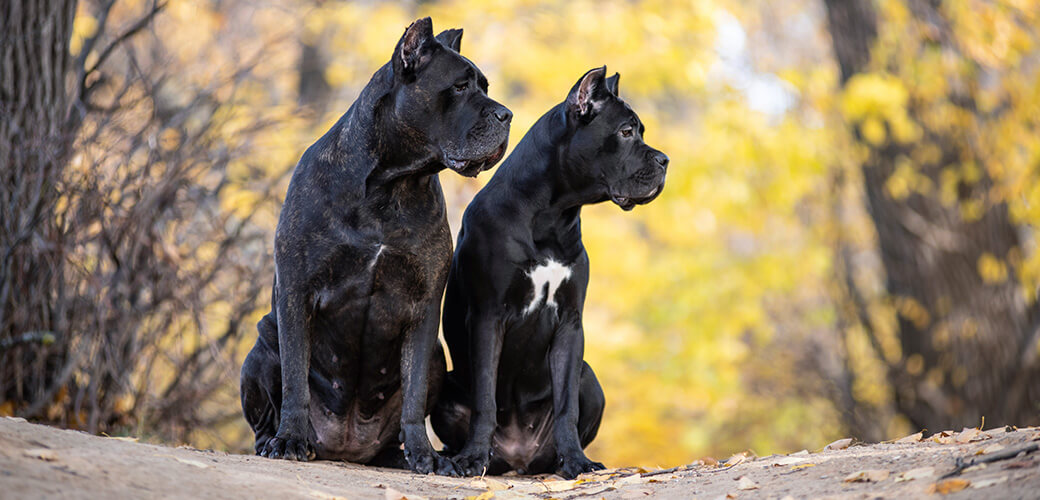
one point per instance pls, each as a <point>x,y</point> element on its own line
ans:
<point>413,50</point>
<point>588,93</point>
<point>612,84</point>
<point>451,38</point>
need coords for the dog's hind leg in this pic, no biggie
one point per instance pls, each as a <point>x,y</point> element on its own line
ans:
<point>590,405</point>
<point>261,385</point>
<point>451,415</point>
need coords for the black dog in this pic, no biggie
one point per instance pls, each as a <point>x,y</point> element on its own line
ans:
<point>512,312</point>
<point>347,364</point>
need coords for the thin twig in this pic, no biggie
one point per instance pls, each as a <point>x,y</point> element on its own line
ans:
<point>965,462</point>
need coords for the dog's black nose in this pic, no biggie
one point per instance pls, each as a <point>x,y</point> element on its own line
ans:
<point>661,159</point>
<point>503,114</point>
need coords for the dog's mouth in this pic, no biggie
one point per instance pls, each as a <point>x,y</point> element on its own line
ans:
<point>470,168</point>
<point>628,202</point>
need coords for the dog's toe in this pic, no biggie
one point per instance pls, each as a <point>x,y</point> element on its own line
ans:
<point>288,449</point>
<point>571,467</point>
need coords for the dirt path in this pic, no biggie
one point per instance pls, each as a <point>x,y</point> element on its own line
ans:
<point>38,461</point>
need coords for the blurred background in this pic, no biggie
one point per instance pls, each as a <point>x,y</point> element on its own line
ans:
<point>846,244</point>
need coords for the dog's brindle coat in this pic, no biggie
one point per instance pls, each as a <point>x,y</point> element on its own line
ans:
<point>520,396</point>
<point>347,364</point>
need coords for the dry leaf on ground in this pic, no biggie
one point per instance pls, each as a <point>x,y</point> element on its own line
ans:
<point>736,459</point>
<point>985,483</point>
<point>918,473</point>
<point>867,476</point>
<point>840,444</point>
<point>193,463</point>
<point>970,434</point>
<point>123,438</point>
<point>949,486</point>
<point>487,483</point>
<point>781,461</point>
<point>993,448</point>
<point>913,438</point>
<point>556,486</point>
<point>746,484</point>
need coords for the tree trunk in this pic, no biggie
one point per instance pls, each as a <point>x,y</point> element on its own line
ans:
<point>35,138</point>
<point>968,344</point>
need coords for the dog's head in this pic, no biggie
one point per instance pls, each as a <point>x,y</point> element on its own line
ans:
<point>441,99</point>
<point>606,143</point>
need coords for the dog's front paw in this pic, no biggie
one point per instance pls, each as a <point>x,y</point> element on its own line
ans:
<point>429,461</point>
<point>472,462</point>
<point>287,448</point>
<point>571,466</point>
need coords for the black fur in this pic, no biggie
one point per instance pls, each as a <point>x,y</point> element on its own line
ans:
<point>347,363</point>
<point>520,396</point>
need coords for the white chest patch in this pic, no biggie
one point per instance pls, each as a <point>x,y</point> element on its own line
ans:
<point>551,273</point>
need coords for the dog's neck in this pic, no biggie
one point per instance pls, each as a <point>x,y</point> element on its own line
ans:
<point>392,155</point>
<point>552,192</point>
<point>540,170</point>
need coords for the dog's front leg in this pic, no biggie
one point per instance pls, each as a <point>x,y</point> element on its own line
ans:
<point>415,369</point>
<point>293,441</point>
<point>485,342</point>
<point>565,362</point>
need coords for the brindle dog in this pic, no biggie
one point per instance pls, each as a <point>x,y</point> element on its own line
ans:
<point>347,363</point>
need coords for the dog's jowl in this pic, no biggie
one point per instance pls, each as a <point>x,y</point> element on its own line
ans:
<point>520,396</point>
<point>347,363</point>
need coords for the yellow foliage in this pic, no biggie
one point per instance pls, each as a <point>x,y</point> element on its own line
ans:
<point>991,269</point>
<point>692,297</point>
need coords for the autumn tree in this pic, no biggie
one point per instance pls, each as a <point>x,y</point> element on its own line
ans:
<point>129,237</point>
<point>937,179</point>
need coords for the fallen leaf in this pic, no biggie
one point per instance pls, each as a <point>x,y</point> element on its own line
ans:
<point>788,461</point>
<point>556,486</point>
<point>487,483</point>
<point>970,434</point>
<point>913,438</point>
<point>193,463</point>
<point>949,486</point>
<point>944,437</point>
<point>487,495</point>
<point>746,484</point>
<point>802,466</point>
<point>840,444</point>
<point>995,447</point>
<point>123,438</point>
<point>711,461</point>
<point>41,454</point>
<point>867,476</point>
<point>918,473</point>
<point>985,483</point>
<point>633,479</point>
<point>799,453</point>
<point>736,459</point>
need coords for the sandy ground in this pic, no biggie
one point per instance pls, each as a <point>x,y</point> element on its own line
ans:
<point>42,462</point>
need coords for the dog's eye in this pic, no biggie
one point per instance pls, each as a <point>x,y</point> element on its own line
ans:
<point>626,132</point>
<point>461,87</point>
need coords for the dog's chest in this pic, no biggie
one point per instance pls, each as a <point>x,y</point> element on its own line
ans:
<point>545,280</point>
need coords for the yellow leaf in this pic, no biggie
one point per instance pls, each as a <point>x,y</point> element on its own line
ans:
<point>949,486</point>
